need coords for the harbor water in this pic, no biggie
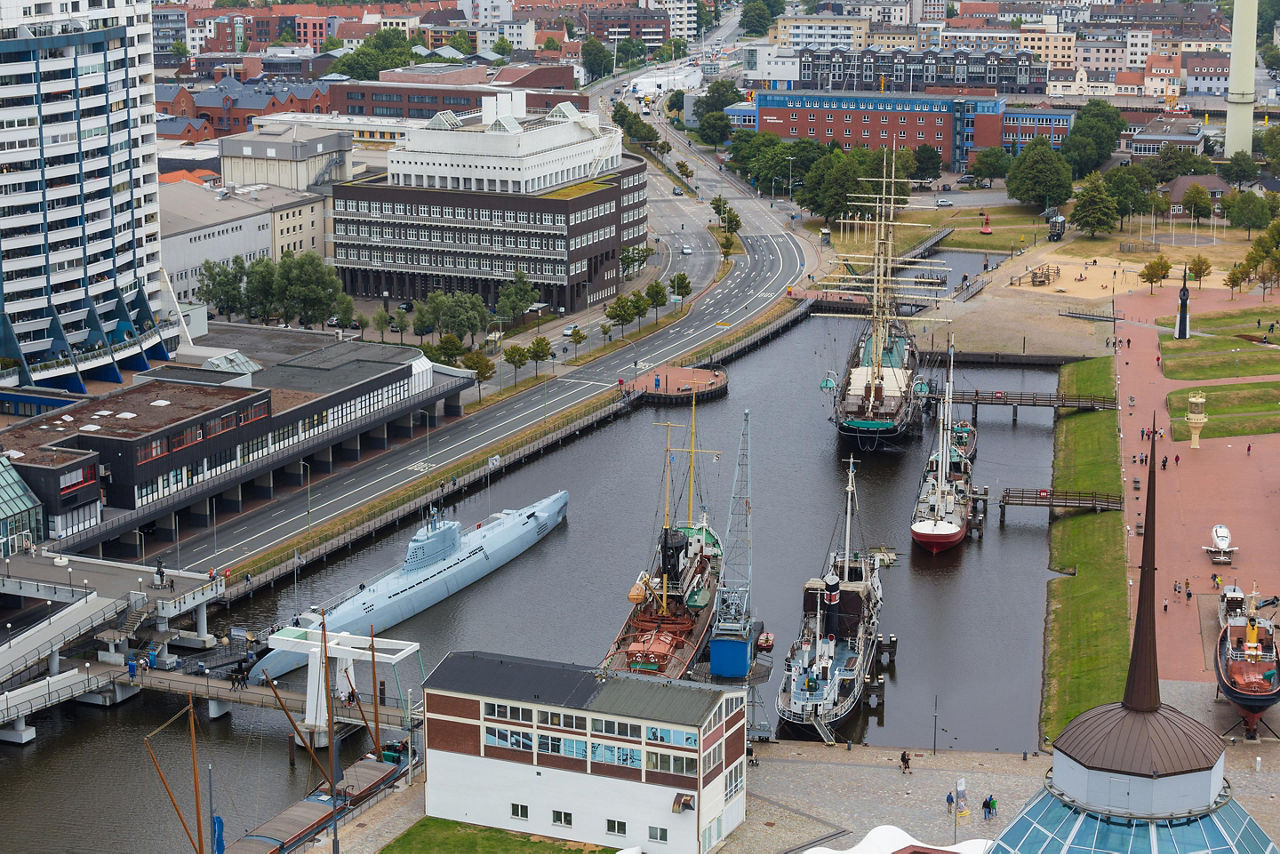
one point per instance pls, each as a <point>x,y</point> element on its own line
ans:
<point>969,622</point>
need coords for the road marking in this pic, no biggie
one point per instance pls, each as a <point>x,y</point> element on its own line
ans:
<point>241,528</point>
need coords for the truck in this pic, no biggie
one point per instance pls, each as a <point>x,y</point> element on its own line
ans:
<point>1057,227</point>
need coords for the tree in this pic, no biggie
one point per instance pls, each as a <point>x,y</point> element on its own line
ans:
<point>503,47</point>
<point>1039,175</point>
<point>675,101</point>
<point>517,357</point>
<point>656,294</point>
<point>450,349</point>
<point>1095,209</point>
<point>928,164</point>
<point>639,307</point>
<point>1130,198</point>
<point>755,19</point>
<point>1250,212</point>
<point>1171,161</point>
<point>515,297</point>
<point>720,94</point>
<point>387,48</point>
<point>260,289</point>
<point>683,170</point>
<point>1234,280</point>
<point>714,128</point>
<point>179,51</point>
<point>362,320</point>
<point>382,322</point>
<point>681,287</point>
<point>1155,270</point>
<point>539,351</point>
<point>308,289</point>
<point>718,205</point>
<point>732,222</point>
<point>620,312</point>
<point>1199,267</point>
<point>222,286</point>
<point>422,324</point>
<point>344,309</point>
<point>1196,202</point>
<point>551,44</point>
<point>1239,169</point>
<point>287,36</point>
<point>1079,151</point>
<point>460,42</point>
<point>604,331</point>
<point>597,60</point>
<point>482,365</point>
<point>402,321</point>
<point>576,337</point>
<point>331,43</point>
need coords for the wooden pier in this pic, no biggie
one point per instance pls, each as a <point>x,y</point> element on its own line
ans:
<point>1058,498</point>
<point>1015,399</point>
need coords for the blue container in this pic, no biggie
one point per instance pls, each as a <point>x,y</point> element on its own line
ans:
<point>730,657</point>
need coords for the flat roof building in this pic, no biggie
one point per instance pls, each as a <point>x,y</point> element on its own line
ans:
<point>290,156</point>
<point>577,753</point>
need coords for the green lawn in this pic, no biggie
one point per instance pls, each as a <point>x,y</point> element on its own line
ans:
<point>1087,638</point>
<point>1171,347</point>
<point>1247,362</point>
<point>432,835</point>
<point>1235,399</point>
<point>1238,425</point>
<point>1236,320</point>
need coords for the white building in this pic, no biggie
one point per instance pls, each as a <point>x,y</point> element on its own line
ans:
<point>660,80</point>
<point>201,224</point>
<point>79,225</point>
<point>482,13</point>
<point>1137,47</point>
<point>522,35</point>
<point>683,15</point>
<point>821,31</point>
<point>582,754</point>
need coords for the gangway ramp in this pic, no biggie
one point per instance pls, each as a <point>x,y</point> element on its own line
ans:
<point>61,628</point>
<point>15,705</point>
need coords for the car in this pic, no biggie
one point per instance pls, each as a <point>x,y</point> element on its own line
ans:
<point>355,324</point>
<point>984,185</point>
<point>617,91</point>
<point>676,191</point>
<point>569,330</point>
<point>945,203</point>
<point>394,327</point>
<point>405,306</point>
<point>946,188</point>
<point>966,179</point>
<point>332,322</point>
<point>686,250</point>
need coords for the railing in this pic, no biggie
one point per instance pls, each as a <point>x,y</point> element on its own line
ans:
<point>109,527</point>
<point>43,650</point>
<point>42,589</point>
<point>1029,398</point>
<point>733,346</point>
<point>204,593</point>
<point>1061,498</point>
<point>83,685</point>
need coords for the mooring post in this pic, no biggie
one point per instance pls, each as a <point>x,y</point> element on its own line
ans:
<point>291,749</point>
<point>1002,512</point>
<point>1015,413</point>
<point>975,409</point>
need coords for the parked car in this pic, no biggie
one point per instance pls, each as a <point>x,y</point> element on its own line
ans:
<point>569,330</point>
<point>984,185</point>
<point>946,188</point>
<point>945,203</point>
<point>966,179</point>
<point>332,322</point>
<point>405,306</point>
<point>676,191</point>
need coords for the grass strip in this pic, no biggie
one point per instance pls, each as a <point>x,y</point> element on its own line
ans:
<point>438,834</point>
<point>1234,399</point>
<point>1232,363</point>
<point>1222,427</point>
<point>1086,635</point>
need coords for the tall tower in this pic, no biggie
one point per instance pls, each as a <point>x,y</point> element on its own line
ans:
<point>83,291</point>
<point>1240,82</point>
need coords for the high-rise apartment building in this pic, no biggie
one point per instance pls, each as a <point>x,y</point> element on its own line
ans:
<point>83,291</point>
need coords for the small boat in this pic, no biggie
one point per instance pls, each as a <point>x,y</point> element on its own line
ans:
<point>441,560</point>
<point>764,643</point>
<point>829,664</point>
<point>941,516</point>
<point>964,438</point>
<point>1221,551</point>
<point>1245,664</point>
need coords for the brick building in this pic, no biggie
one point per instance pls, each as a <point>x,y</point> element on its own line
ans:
<point>230,106</point>
<point>423,100</point>
<point>651,26</point>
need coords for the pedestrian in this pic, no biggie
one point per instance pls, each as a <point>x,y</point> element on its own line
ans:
<point>1176,459</point>
<point>1164,463</point>
<point>1162,433</point>
<point>992,799</point>
<point>213,573</point>
<point>1259,322</point>
<point>986,809</point>
<point>1188,594</point>
<point>1142,433</point>
<point>906,762</point>
<point>1177,588</point>
<point>1248,450</point>
<point>951,803</point>
<point>1128,342</point>
<point>455,480</point>
<point>1157,361</point>
<point>1166,605</point>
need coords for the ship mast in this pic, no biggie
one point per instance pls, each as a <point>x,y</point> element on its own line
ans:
<point>733,597</point>
<point>850,495</point>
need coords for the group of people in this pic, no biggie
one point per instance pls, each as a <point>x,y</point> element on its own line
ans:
<point>905,762</point>
<point>239,680</point>
<point>1144,434</point>
<point>1117,343</point>
<point>988,806</point>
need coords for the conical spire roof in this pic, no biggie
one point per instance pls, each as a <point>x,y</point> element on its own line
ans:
<point>1140,736</point>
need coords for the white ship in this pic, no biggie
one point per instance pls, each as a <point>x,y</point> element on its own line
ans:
<point>441,560</point>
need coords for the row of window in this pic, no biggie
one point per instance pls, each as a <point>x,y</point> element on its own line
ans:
<point>508,713</point>
<point>448,237</point>
<point>592,212</point>
<point>447,212</point>
<point>866,134</point>
<point>612,826</point>
<point>447,261</point>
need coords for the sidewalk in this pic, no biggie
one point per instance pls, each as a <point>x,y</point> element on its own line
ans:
<point>1218,483</point>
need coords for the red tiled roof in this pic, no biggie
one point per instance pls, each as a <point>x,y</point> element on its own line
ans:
<point>193,176</point>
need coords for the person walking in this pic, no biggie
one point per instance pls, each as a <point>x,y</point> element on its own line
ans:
<point>992,800</point>
<point>1188,593</point>
<point>1164,463</point>
<point>1166,605</point>
<point>1142,433</point>
<point>1157,361</point>
<point>1128,342</point>
<point>951,803</point>
<point>906,762</point>
<point>1248,450</point>
<point>986,809</point>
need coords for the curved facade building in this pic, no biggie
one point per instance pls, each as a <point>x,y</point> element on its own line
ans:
<point>83,291</point>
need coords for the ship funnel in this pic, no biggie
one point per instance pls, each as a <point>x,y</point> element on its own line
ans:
<point>831,604</point>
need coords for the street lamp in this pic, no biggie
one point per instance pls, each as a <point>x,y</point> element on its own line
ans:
<point>791,188</point>
<point>8,627</point>
<point>307,466</point>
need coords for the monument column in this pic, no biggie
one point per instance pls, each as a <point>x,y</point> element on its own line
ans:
<point>1241,93</point>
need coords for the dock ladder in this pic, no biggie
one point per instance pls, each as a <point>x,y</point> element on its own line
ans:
<point>822,729</point>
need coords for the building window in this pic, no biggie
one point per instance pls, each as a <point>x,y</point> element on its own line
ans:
<point>613,827</point>
<point>562,818</point>
<point>520,811</point>
<point>657,834</point>
<point>733,782</point>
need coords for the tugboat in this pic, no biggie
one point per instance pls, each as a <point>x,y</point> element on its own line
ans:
<point>941,516</point>
<point>1246,659</point>
<point>672,602</point>
<point>829,664</point>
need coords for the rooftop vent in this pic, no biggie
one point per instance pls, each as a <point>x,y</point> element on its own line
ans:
<point>127,415</point>
<point>157,402</point>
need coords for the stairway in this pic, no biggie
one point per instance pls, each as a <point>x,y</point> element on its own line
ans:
<point>133,620</point>
<point>822,729</point>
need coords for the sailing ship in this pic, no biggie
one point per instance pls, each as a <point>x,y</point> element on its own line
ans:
<point>941,516</point>
<point>829,664</point>
<point>1246,658</point>
<point>878,400</point>
<point>672,602</point>
<point>441,560</point>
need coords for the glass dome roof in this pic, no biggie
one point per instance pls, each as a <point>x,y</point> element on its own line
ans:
<point>1048,825</point>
